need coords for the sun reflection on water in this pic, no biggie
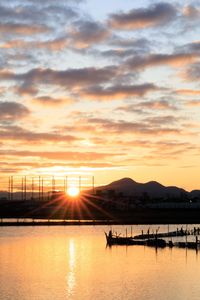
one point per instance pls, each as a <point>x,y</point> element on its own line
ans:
<point>71,280</point>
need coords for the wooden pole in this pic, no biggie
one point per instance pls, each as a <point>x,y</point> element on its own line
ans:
<point>186,235</point>
<point>79,183</point>
<point>24,187</point>
<point>39,189</point>
<point>66,183</point>
<point>9,187</point>
<point>42,190</point>
<point>52,186</point>
<point>32,189</point>
<point>93,184</point>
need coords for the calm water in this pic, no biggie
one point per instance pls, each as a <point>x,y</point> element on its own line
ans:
<point>44,263</point>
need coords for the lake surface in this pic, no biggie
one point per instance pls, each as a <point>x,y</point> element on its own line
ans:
<point>73,262</point>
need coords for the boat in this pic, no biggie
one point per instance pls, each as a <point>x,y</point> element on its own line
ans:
<point>151,241</point>
<point>114,239</point>
<point>176,233</point>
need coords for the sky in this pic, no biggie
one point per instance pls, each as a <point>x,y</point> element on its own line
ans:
<point>108,89</point>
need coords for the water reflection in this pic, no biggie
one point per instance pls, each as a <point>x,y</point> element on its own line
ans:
<point>71,279</point>
<point>72,263</point>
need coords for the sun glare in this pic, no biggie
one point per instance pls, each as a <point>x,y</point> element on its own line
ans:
<point>73,191</point>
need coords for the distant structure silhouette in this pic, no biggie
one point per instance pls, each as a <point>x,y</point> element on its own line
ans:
<point>43,187</point>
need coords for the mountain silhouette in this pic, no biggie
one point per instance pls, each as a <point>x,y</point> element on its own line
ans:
<point>153,189</point>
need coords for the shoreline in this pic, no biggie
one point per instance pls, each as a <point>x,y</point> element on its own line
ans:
<point>37,222</point>
<point>38,215</point>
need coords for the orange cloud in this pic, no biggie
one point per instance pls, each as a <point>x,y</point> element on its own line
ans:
<point>53,45</point>
<point>142,62</point>
<point>188,92</point>
<point>59,155</point>
<point>23,29</point>
<point>190,11</point>
<point>193,103</point>
<point>51,101</point>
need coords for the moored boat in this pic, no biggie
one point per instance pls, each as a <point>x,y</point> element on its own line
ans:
<point>114,239</point>
<point>176,233</point>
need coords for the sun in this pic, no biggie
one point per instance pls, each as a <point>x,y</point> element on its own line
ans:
<point>73,191</point>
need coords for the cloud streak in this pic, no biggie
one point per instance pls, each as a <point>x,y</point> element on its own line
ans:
<point>66,78</point>
<point>174,60</point>
<point>58,155</point>
<point>119,91</point>
<point>20,134</point>
<point>11,111</point>
<point>152,16</point>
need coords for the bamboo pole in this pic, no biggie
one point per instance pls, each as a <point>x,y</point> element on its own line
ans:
<point>39,189</point>
<point>32,189</point>
<point>79,184</point>
<point>93,184</point>
<point>9,187</point>
<point>42,189</point>
<point>24,187</point>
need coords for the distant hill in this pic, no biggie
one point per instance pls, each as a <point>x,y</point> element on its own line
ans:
<point>195,194</point>
<point>151,189</point>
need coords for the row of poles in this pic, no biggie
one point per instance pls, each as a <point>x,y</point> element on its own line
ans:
<point>37,188</point>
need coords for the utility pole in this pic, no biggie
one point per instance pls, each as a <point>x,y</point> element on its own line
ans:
<point>9,188</point>
<point>66,183</point>
<point>32,189</point>
<point>93,184</point>
<point>24,187</point>
<point>79,184</point>
<point>42,190</point>
<point>53,187</point>
<point>39,189</point>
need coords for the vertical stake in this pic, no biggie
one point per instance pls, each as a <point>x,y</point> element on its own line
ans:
<point>93,184</point>
<point>9,188</point>
<point>79,184</point>
<point>39,189</point>
<point>64,185</point>
<point>42,190</point>
<point>52,186</point>
<point>24,187</point>
<point>32,187</point>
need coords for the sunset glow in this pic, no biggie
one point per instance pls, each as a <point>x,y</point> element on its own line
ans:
<point>107,88</point>
<point>73,191</point>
